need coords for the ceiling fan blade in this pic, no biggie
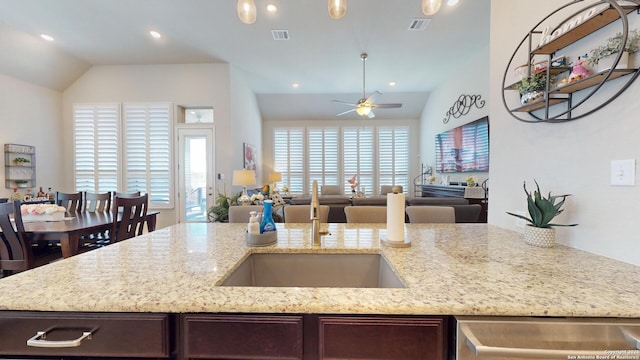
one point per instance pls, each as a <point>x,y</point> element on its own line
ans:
<point>373,95</point>
<point>388,106</point>
<point>346,112</point>
<point>343,102</point>
<point>371,115</point>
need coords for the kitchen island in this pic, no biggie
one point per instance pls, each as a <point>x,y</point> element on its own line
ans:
<point>450,269</point>
<point>461,269</point>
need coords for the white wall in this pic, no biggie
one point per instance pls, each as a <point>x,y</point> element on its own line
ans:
<point>572,157</point>
<point>32,115</point>
<point>470,80</point>
<point>197,84</point>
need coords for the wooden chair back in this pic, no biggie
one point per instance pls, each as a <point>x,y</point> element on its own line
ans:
<point>16,252</point>
<point>302,213</point>
<point>424,214</point>
<point>366,214</point>
<point>97,202</point>
<point>71,201</point>
<point>132,212</point>
<point>126,194</point>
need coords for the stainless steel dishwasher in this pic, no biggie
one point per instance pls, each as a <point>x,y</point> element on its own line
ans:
<point>501,338</point>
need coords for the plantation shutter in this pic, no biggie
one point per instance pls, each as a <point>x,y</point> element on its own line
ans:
<point>147,152</point>
<point>288,151</point>
<point>323,156</point>
<point>96,143</point>
<point>393,156</point>
<point>358,151</point>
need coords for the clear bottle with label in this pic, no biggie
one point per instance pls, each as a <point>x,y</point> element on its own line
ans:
<point>253,227</point>
<point>267,224</point>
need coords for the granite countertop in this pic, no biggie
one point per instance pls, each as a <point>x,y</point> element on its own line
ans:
<point>453,269</point>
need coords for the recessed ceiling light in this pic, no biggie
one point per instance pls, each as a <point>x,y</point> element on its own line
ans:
<point>295,85</point>
<point>392,83</point>
<point>47,37</point>
<point>155,34</point>
<point>452,2</point>
<point>272,8</point>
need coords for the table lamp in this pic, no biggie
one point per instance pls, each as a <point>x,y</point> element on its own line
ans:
<point>244,178</point>
<point>274,178</point>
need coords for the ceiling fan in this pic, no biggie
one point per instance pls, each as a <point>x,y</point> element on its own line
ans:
<point>365,106</point>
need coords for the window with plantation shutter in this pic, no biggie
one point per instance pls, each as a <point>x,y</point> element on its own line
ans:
<point>96,129</point>
<point>323,156</point>
<point>147,152</point>
<point>288,153</point>
<point>357,154</point>
<point>393,156</point>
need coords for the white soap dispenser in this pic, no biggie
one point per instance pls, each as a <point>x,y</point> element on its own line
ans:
<point>253,227</point>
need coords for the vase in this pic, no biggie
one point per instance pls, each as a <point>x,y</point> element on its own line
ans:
<point>541,237</point>
<point>606,62</point>
<point>531,96</point>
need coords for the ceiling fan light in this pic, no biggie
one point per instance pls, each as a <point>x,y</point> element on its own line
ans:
<point>430,7</point>
<point>337,8</point>
<point>247,11</point>
<point>363,110</point>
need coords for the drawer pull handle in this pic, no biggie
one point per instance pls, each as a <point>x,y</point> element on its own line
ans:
<point>39,340</point>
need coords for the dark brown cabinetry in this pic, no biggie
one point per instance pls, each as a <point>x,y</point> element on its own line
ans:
<point>248,336</point>
<point>113,335</point>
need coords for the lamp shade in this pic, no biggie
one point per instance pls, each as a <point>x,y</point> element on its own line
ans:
<point>244,177</point>
<point>430,7</point>
<point>247,11</point>
<point>275,177</point>
<point>337,8</point>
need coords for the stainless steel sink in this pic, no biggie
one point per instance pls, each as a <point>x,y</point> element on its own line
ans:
<point>314,270</point>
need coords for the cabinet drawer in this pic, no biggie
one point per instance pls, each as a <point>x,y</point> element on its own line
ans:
<point>381,338</point>
<point>113,334</point>
<point>242,336</point>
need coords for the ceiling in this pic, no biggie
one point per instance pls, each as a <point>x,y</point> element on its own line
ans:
<point>322,55</point>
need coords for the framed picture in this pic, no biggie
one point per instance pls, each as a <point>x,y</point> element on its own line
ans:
<point>250,157</point>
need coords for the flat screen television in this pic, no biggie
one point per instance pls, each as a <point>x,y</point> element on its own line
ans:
<point>464,149</point>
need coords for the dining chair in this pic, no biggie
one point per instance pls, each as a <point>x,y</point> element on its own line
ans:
<point>302,213</point>
<point>71,201</point>
<point>16,251</point>
<point>423,214</point>
<point>96,202</point>
<point>366,214</point>
<point>126,194</point>
<point>240,214</point>
<point>129,217</point>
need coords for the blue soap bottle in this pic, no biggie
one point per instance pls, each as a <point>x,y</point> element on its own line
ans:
<point>267,223</point>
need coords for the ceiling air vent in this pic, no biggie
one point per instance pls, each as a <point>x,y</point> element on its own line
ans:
<point>280,34</point>
<point>419,24</point>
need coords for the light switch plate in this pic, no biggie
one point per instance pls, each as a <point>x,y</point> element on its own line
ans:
<point>623,172</point>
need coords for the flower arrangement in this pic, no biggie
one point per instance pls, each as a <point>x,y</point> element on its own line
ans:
<point>542,210</point>
<point>354,183</point>
<point>535,82</point>
<point>285,189</point>
<point>431,179</point>
<point>471,180</point>
<point>257,198</point>
<point>41,209</point>
<point>613,46</point>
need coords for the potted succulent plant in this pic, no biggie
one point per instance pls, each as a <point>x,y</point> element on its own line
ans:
<point>539,231</point>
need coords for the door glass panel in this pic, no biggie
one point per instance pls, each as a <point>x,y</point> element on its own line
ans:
<point>195,178</point>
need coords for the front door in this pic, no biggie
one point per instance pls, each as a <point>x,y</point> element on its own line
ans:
<point>196,167</point>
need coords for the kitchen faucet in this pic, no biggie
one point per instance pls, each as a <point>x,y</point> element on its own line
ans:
<point>314,216</point>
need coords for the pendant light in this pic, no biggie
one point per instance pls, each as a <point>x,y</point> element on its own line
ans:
<point>247,11</point>
<point>337,8</point>
<point>430,7</point>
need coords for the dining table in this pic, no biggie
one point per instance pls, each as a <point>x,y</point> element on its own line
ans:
<point>76,225</point>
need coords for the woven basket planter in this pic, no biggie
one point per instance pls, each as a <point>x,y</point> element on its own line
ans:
<point>541,237</point>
